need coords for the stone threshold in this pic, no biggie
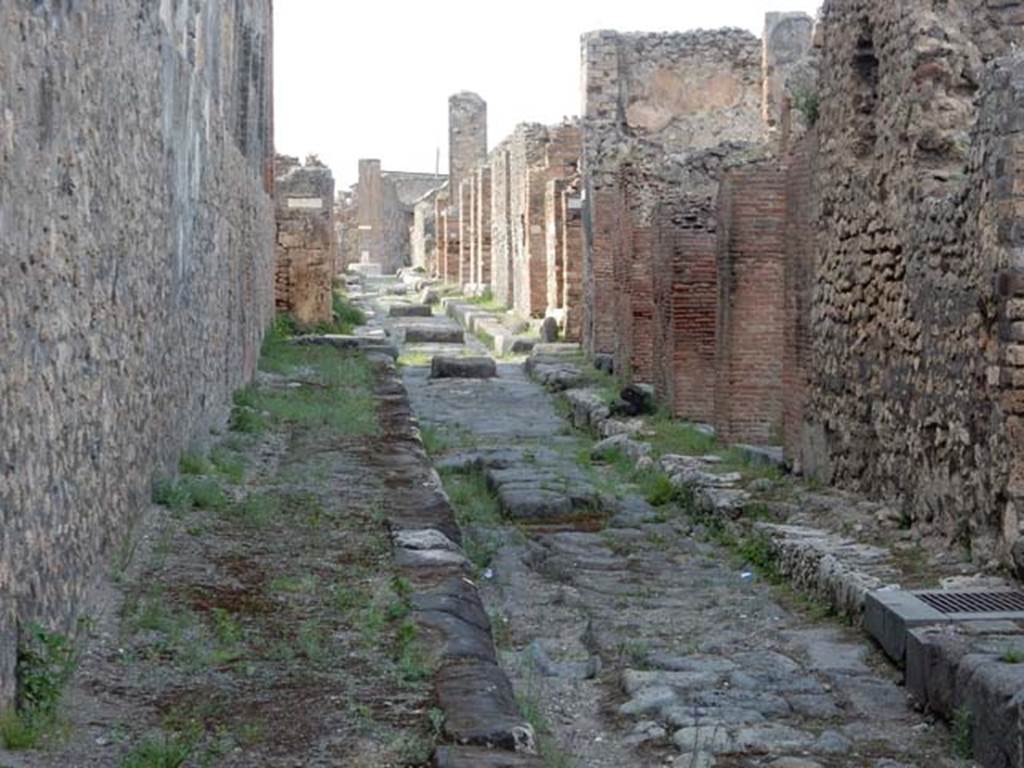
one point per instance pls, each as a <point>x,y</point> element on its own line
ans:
<point>971,674</point>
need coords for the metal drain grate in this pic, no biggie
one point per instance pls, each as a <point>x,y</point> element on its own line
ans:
<point>974,602</point>
<point>889,614</point>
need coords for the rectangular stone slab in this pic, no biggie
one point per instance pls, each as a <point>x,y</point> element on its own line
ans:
<point>434,334</point>
<point>410,310</point>
<point>463,368</point>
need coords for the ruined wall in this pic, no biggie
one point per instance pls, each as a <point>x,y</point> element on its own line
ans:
<point>306,248</point>
<point>649,101</point>
<point>137,232</point>
<point>386,202</point>
<point>912,392</point>
<point>424,231</point>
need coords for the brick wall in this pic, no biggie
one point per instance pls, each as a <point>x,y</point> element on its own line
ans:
<point>601,242</point>
<point>751,250</point>
<point>527,148</point>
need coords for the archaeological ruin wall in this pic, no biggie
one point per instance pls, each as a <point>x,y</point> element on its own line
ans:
<point>386,202</point>
<point>651,101</point>
<point>306,245</point>
<point>912,371</point>
<point>138,271</point>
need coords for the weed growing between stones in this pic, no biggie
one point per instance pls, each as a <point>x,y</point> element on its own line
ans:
<point>1012,656</point>
<point>473,500</point>
<point>162,751</point>
<point>434,441</point>
<point>962,733</point>
<point>528,698</point>
<point>46,662</point>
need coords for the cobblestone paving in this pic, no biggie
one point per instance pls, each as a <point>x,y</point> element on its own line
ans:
<point>646,644</point>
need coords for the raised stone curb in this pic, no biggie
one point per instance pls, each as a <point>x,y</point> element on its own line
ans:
<point>410,310</point>
<point>489,326</point>
<point>473,692</point>
<point>365,344</point>
<point>434,334</point>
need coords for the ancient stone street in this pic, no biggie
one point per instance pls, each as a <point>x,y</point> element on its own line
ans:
<point>548,385</point>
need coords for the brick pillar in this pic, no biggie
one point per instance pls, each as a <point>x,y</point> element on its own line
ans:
<point>438,251</point>
<point>502,252</point>
<point>751,248</point>
<point>467,137</point>
<point>531,298</point>
<point>483,227</point>
<point>370,212</point>
<point>572,260</point>
<point>554,225</point>
<point>452,253</point>
<point>604,210</point>
<point>685,314</point>
<point>462,275</point>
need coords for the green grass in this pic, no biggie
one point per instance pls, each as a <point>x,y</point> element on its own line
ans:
<point>474,502</point>
<point>487,302</point>
<point>676,437</point>
<point>46,662</point>
<point>163,751</point>
<point>205,492</point>
<point>257,509</point>
<point>434,441</point>
<point>171,494</point>
<point>228,464</point>
<point>1012,656</point>
<point>963,745</point>
<point>335,390</point>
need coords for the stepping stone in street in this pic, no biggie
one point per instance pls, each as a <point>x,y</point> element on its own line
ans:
<point>410,310</point>
<point>434,334</point>
<point>463,368</point>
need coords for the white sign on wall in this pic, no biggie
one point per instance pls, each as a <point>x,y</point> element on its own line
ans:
<point>305,202</point>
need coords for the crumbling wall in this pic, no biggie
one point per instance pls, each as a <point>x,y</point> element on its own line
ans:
<point>424,231</point>
<point>306,249</point>
<point>137,229</point>
<point>527,148</point>
<point>572,260</point>
<point>650,100</point>
<point>913,367</point>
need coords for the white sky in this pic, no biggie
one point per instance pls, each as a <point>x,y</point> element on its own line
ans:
<point>372,78</point>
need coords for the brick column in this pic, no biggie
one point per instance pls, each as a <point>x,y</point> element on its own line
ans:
<point>483,227</point>
<point>751,248</point>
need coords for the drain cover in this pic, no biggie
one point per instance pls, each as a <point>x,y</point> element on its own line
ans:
<point>888,614</point>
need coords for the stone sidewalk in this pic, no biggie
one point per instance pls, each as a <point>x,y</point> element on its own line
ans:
<point>642,643</point>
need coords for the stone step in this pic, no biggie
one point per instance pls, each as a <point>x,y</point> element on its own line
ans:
<point>463,368</point>
<point>434,334</point>
<point>410,310</point>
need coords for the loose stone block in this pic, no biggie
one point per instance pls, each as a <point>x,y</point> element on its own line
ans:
<point>410,310</point>
<point>434,334</point>
<point>463,368</point>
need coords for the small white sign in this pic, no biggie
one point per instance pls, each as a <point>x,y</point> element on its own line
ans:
<point>575,204</point>
<point>305,202</point>
<point>365,227</point>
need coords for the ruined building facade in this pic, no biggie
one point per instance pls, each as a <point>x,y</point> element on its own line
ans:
<point>140,271</point>
<point>307,250</point>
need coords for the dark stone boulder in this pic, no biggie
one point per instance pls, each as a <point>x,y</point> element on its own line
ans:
<point>434,334</point>
<point>480,708</point>
<point>549,330</point>
<point>463,368</point>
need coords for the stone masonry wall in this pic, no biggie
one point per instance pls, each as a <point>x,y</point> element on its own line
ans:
<point>502,249</point>
<point>137,273</point>
<point>572,260</point>
<point>484,201</point>
<point>913,369</point>
<point>306,247</point>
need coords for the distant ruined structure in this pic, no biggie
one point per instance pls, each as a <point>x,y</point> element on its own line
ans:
<point>137,276</point>
<point>806,240</point>
<point>307,248</point>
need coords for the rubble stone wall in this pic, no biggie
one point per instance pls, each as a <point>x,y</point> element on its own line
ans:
<point>913,368</point>
<point>484,202</point>
<point>572,260</point>
<point>137,276</point>
<point>502,249</point>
